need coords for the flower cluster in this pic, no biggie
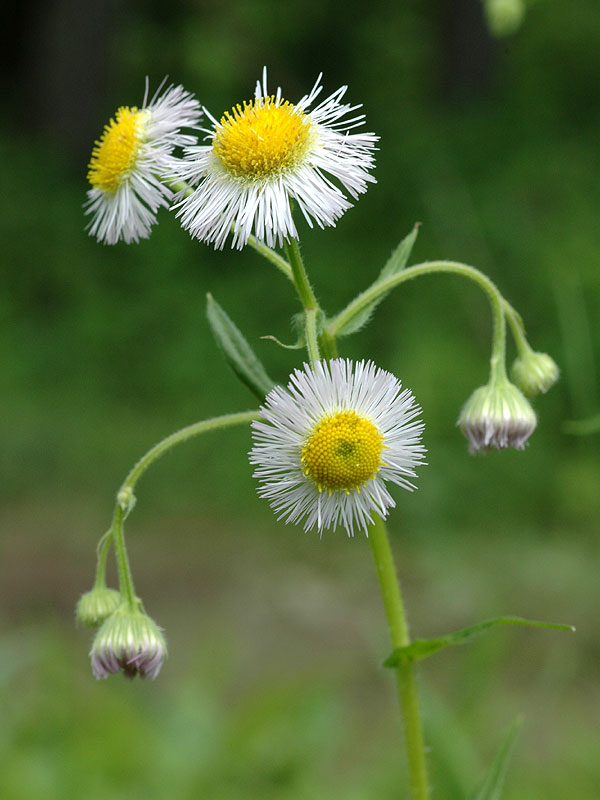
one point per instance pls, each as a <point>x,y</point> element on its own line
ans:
<point>261,156</point>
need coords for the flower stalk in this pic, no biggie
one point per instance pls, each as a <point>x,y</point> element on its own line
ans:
<point>406,678</point>
<point>307,298</point>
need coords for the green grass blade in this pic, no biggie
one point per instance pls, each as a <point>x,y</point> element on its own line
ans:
<point>496,774</point>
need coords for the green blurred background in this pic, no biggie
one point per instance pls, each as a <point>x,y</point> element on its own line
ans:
<point>273,687</point>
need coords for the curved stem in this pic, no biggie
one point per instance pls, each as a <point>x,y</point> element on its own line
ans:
<point>380,288</point>
<point>102,551</point>
<point>226,421</point>
<point>126,498</point>
<point>517,328</point>
<point>275,259</point>
<point>263,249</point>
<point>405,672</point>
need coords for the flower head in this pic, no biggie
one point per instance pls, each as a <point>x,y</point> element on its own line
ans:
<point>264,154</point>
<point>96,605</point>
<point>325,446</point>
<point>497,415</point>
<point>128,159</point>
<point>129,641</point>
<point>534,372</point>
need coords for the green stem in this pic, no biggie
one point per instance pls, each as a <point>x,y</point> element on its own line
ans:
<point>263,249</point>
<point>226,421</point>
<point>275,259</point>
<point>102,552</point>
<point>517,328</point>
<point>301,282</point>
<point>405,672</point>
<point>310,331</point>
<point>307,298</point>
<point>126,498</point>
<point>380,288</point>
<point>123,569</point>
<point>328,344</point>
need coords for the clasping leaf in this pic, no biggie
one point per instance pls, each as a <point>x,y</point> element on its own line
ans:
<point>423,648</point>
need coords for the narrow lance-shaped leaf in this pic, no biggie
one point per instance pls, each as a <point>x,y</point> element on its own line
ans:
<point>493,784</point>
<point>423,648</point>
<point>238,353</point>
<point>395,263</point>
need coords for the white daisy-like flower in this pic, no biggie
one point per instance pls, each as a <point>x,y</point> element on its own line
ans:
<point>128,159</point>
<point>268,152</point>
<point>325,446</point>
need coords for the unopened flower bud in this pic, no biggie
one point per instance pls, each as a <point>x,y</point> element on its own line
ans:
<point>129,641</point>
<point>534,372</point>
<point>95,606</point>
<point>504,16</point>
<point>497,415</point>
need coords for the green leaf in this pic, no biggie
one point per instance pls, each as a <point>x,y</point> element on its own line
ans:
<point>395,263</point>
<point>423,648</point>
<point>496,774</point>
<point>238,353</point>
<point>399,258</point>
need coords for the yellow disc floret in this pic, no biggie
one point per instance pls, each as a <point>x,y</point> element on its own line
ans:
<point>342,452</point>
<point>263,138</point>
<point>115,152</point>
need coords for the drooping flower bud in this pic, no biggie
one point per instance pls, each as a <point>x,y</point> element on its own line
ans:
<point>95,606</point>
<point>129,641</point>
<point>504,16</point>
<point>534,372</point>
<point>497,415</point>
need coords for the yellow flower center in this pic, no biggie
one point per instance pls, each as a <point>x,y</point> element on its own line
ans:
<point>114,154</point>
<point>262,138</point>
<point>342,452</point>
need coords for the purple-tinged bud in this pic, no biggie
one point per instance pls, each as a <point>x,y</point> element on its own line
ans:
<point>128,641</point>
<point>497,415</point>
<point>95,606</point>
<point>534,372</point>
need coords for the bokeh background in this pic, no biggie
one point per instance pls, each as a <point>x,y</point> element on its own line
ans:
<point>273,687</point>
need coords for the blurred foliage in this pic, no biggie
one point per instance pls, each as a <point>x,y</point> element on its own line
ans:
<point>105,350</point>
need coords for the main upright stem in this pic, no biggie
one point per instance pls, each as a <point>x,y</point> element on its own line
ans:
<point>405,672</point>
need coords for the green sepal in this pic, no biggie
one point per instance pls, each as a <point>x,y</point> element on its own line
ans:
<point>395,264</point>
<point>493,783</point>
<point>238,353</point>
<point>423,648</point>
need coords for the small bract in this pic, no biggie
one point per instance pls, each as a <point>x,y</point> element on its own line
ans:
<point>326,445</point>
